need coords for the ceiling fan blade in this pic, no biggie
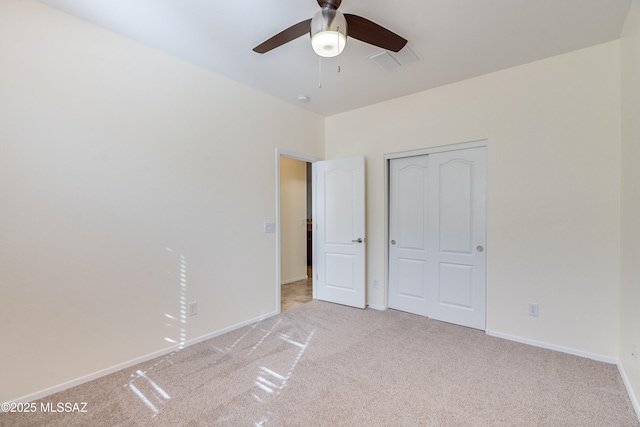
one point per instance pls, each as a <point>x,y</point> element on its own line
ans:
<point>369,32</point>
<point>285,36</point>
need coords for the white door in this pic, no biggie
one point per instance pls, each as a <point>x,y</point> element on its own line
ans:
<point>457,226</point>
<point>437,233</point>
<point>339,239</point>
<point>408,239</point>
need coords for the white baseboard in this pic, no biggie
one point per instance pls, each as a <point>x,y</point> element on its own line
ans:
<point>284,282</point>
<point>632,395</point>
<point>541,344</point>
<point>133,362</point>
<point>377,307</point>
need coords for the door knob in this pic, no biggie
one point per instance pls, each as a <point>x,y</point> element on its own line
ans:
<point>479,248</point>
<point>358,240</point>
<point>393,242</point>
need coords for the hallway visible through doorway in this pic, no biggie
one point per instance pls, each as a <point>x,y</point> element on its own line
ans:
<point>295,231</point>
<point>296,293</point>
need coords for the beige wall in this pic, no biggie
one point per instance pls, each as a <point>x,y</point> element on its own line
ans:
<point>119,167</point>
<point>552,128</point>
<point>293,224</point>
<point>630,252</point>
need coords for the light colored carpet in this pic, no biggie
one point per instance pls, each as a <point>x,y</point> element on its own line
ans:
<point>329,365</point>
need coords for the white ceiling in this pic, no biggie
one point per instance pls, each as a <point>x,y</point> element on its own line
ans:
<point>454,39</point>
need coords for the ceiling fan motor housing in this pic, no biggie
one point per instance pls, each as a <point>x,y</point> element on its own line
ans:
<point>330,4</point>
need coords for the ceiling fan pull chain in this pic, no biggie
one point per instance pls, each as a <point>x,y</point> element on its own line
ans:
<point>320,72</point>
<point>338,36</point>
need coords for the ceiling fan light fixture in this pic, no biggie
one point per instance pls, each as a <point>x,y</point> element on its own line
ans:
<point>328,32</point>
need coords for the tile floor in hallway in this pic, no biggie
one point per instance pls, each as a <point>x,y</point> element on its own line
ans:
<point>296,293</point>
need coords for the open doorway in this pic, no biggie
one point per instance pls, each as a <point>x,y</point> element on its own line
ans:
<point>296,222</point>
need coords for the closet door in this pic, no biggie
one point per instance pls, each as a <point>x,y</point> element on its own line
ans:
<point>408,234</point>
<point>457,230</point>
<point>437,234</point>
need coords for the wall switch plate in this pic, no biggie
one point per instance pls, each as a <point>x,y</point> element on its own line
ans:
<point>193,308</point>
<point>534,309</point>
<point>269,227</point>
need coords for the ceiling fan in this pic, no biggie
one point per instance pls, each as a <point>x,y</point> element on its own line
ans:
<point>328,30</point>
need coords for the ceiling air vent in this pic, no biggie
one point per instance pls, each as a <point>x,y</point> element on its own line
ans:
<point>394,60</point>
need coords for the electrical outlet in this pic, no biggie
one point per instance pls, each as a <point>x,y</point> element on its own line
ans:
<point>193,308</point>
<point>534,309</point>
<point>375,283</point>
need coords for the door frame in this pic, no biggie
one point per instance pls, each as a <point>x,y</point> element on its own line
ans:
<point>412,153</point>
<point>307,159</point>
